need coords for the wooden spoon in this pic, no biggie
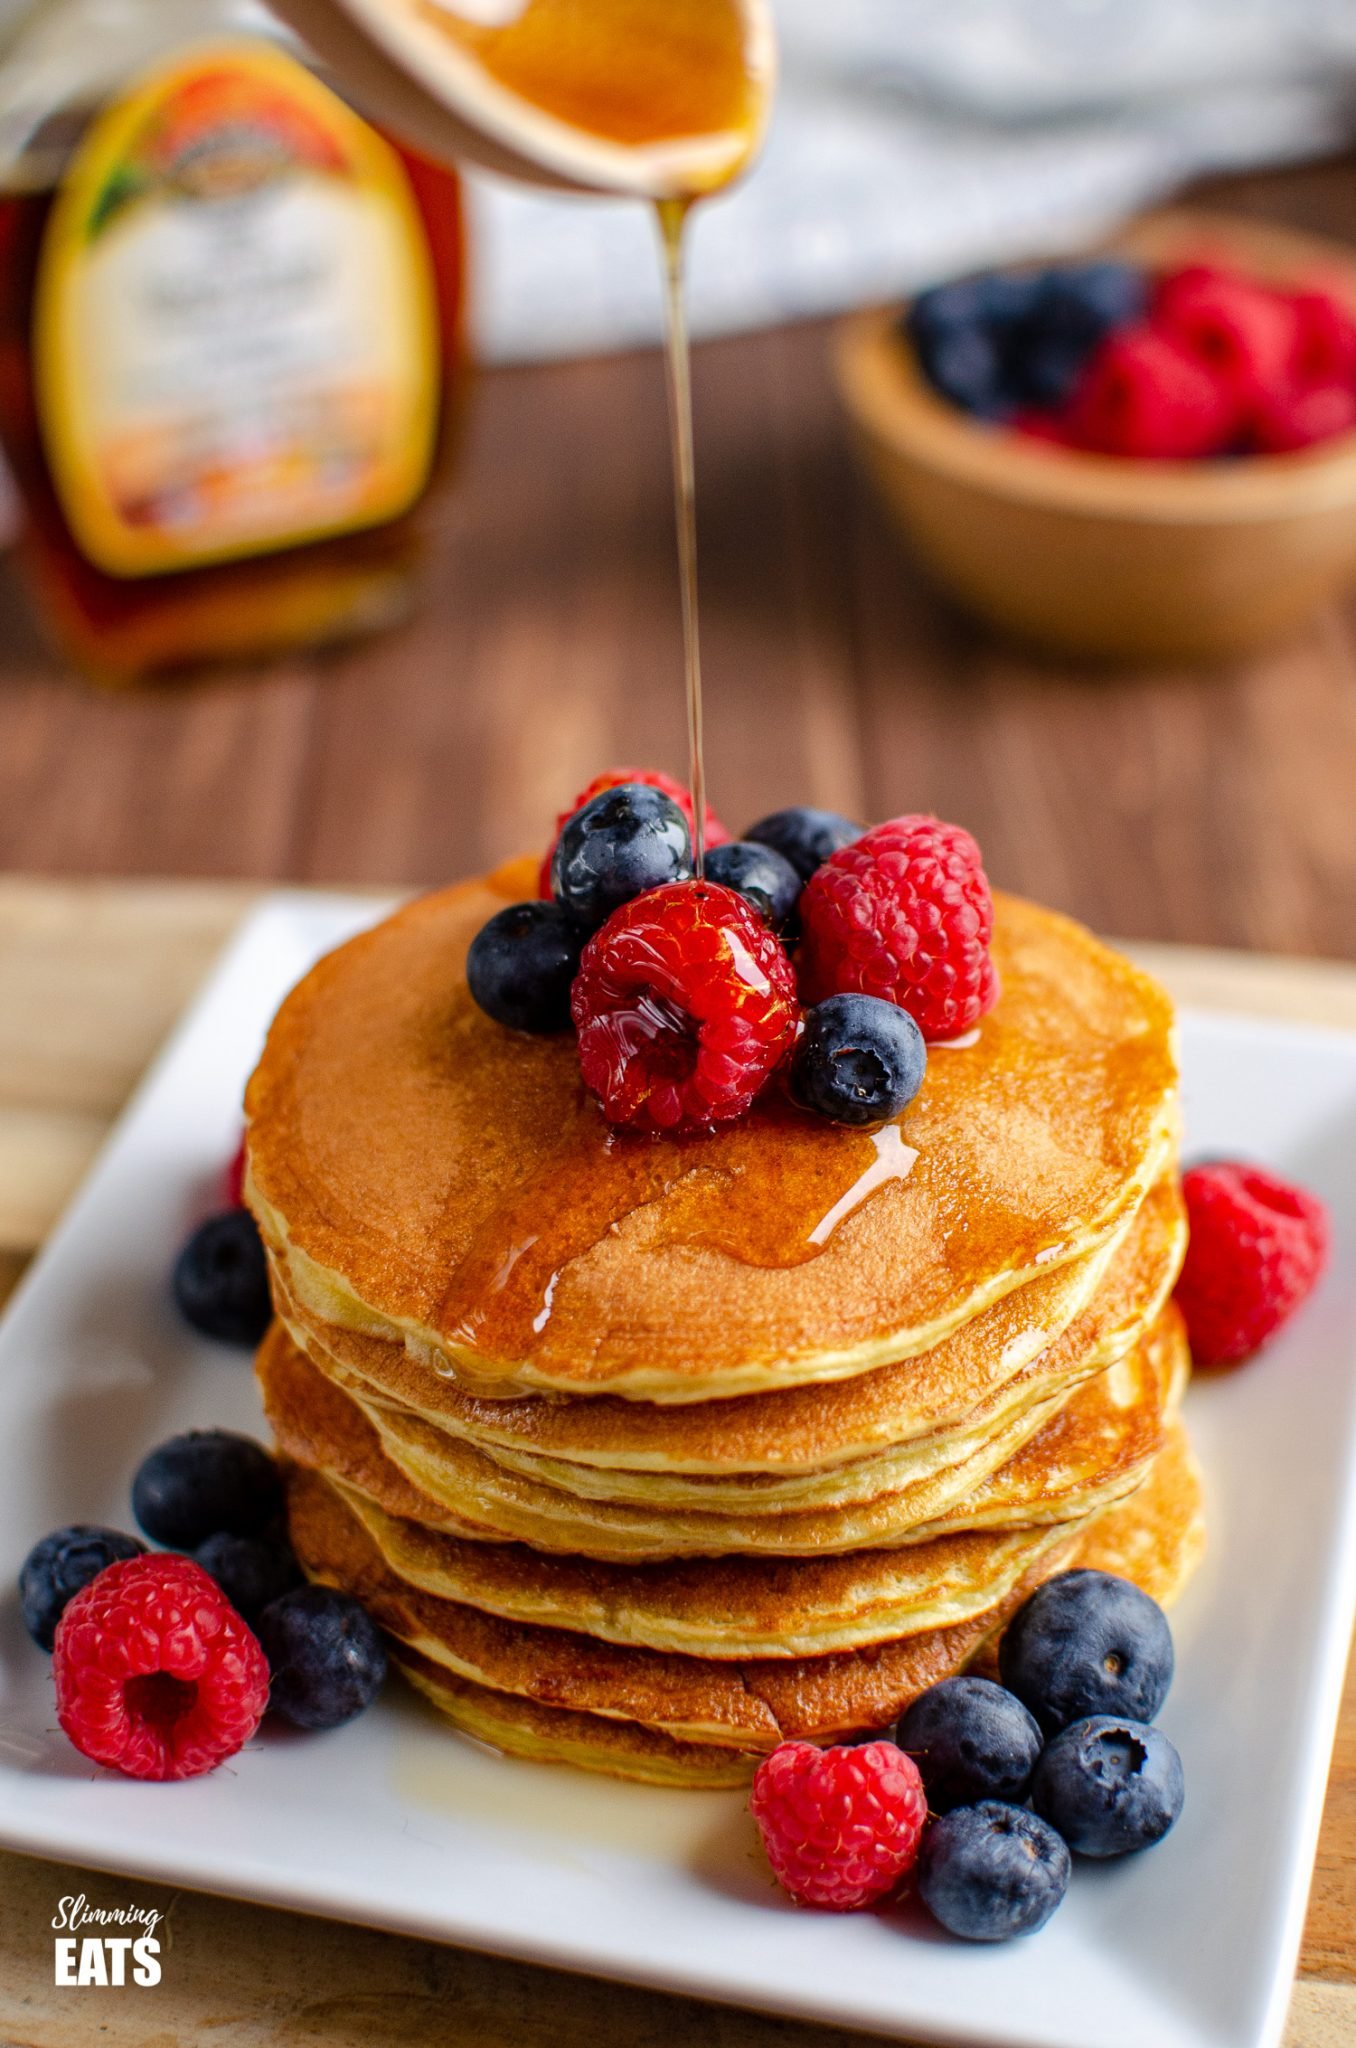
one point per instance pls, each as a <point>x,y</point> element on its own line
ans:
<point>440,72</point>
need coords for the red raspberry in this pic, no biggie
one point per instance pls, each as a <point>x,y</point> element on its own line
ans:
<point>904,913</point>
<point>156,1674</point>
<point>654,778</point>
<point>841,1826</point>
<point>1243,334</point>
<point>1141,394</point>
<point>233,1181</point>
<point>684,1004</point>
<point>1325,337</point>
<point>1299,419</point>
<point>1257,1246</point>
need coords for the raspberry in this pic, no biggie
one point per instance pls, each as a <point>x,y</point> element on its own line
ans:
<point>841,1827</point>
<point>156,1674</point>
<point>1325,338</point>
<point>1142,394</point>
<point>684,1003</point>
<point>1299,419</point>
<point>903,913</point>
<point>233,1180</point>
<point>1240,332</point>
<point>1257,1246</point>
<point>653,778</point>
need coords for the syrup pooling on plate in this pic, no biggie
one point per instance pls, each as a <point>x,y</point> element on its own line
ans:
<point>769,1190</point>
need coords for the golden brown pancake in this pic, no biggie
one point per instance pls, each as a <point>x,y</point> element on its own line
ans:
<point>726,1608</point>
<point>752,1704</point>
<point>425,1176</point>
<point>1060,1461</point>
<point>1156,1532</point>
<point>1034,1342</point>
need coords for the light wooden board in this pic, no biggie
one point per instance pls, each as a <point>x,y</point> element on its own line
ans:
<point>91,977</point>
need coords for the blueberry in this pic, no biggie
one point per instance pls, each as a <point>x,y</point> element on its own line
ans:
<point>1109,1785</point>
<point>220,1279</point>
<point>206,1483</point>
<point>967,366</point>
<point>991,1871</point>
<point>521,964</point>
<point>1073,308</point>
<point>1087,1643</point>
<point>251,1571</point>
<point>325,1654</point>
<point>971,1740</point>
<point>761,874</point>
<point>624,840</point>
<point>942,309</point>
<point>859,1059</point>
<point>1092,298</point>
<point>56,1569</point>
<point>1008,297</point>
<point>804,836</point>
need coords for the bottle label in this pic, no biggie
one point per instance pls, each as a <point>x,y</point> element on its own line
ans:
<point>236,333</point>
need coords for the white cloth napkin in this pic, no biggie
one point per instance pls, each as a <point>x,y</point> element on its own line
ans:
<point>917,138</point>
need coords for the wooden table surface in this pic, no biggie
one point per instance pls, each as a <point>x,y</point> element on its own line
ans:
<point>1215,810</point>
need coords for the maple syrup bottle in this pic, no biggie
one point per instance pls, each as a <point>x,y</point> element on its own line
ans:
<point>230,337</point>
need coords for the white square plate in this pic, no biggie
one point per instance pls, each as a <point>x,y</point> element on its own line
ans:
<point>396,1822</point>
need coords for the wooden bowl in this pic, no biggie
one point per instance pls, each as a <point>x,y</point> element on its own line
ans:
<point>1093,554</point>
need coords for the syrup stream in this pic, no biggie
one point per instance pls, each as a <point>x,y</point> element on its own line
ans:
<point>672,217</point>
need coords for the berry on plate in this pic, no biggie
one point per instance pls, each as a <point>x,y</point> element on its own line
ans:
<point>58,1567</point>
<point>521,964</point>
<point>252,1571</point>
<point>759,873</point>
<point>156,1674</point>
<point>859,1060</point>
<point>1087,1642</point>
<point>841,1826</point>
<point>1257,1245</point>
<point>220,1280</point>
<point>685,1003</point>
<point>326,1655</point>
<point>804,836</point>
<point>990,1871</point>
<point>653,778</point>
<point>971,1740</point>
<point>1109,1786</point>
<point>206,1482</point>
<point>903,913</point>
<point>624,841</point>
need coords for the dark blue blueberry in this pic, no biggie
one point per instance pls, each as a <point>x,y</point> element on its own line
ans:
<point>1109,1785</point>
<point>1008,297</point>
<point>1044,371</point>
<point>325,1654</point>
<point>205,1483</point>
<point>942,309</point>
<point>622,842</point>
<point>804,836</point>
<point>1092,298</point>
<point>521,964</point>
<point>859,1060</point>
<point>971,1740</point>
<point>968,367</point>
<point>1087,1643</point>
<point>56,1569</point>
<point>251,1571</point>
<point>220,1279</point>
<point>991,1871</point>
<point>759,872</point>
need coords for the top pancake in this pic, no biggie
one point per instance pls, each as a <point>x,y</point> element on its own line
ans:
<point>423,1175</point>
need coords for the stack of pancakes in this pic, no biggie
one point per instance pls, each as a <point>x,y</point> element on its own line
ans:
<point>649,1454</point>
